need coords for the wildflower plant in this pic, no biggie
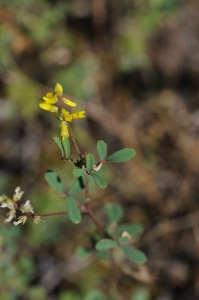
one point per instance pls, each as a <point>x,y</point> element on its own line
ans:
<point>113,235</point>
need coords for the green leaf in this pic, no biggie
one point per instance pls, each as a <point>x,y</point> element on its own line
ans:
<point>82,252</point>
<point>59,144</point>
<point>134,255</point>
<point>73,211</point>
<point>89,162</point>
<point>133,229</point>
<point>113,211</point>
<point>77,186</point>
<point>123,239</point>
<point>100,182</point>
<point>79,172</point>
<point>122,155</point>
<point>102,149</point>
<point>54,181</point>
<point>66,145</point>
<point>105,244</point>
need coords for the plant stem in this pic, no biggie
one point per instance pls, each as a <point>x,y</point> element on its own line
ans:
<point>49,215</point>
<point>85,209</point>
<point>88,210</point>
<point>87,186</point>
<point>92,216</point>
<point>74,142</point>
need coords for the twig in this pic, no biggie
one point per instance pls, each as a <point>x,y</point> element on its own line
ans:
<point>87,187</point>
<point>74,142</point>
<point>92,216</point>
<point>48,215</point>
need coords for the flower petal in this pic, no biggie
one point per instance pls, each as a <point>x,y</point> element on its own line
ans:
<point>37,219</point>
<point>49,107</point>
<point>50,98</point>
<point>68,102</point>
<point>64,130</point>
<point>6,202</point>
<point>11,214</point>
<point>59,89</point>
<point>78,114</point>
<point>66,115</point>
<point>18,194</point>
<point>21,219</point>
<point>27,207</point>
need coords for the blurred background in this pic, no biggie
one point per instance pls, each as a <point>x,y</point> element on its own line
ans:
<point>133,65</point>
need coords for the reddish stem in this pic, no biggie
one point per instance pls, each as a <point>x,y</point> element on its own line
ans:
<point>92,216</point>
<point>49,215</point>
<point>74,142</point>
<point>87,186</point>
<point>87,208</point>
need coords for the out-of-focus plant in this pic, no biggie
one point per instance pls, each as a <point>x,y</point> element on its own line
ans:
<point>111,239</point>
<point>15,272</point>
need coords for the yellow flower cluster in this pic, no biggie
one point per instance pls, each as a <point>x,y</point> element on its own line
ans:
<point>12,205</point>
<point>55,103</point>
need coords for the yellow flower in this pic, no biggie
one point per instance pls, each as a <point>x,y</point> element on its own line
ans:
<point>49,107</point>
<point>52,103</point>
<point>59,92</point>
<point>51,99</point>
<point>68,102</point>
<point>64,130</point>
<point>66,115</point>
<point>78,114</point>
<point>59,89</point>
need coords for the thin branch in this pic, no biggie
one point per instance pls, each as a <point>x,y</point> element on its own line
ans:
<point>48,215</point>
<point>75,143</point>
<point>87,186</point>
<point>87,208</point>
<point>92,216</point>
